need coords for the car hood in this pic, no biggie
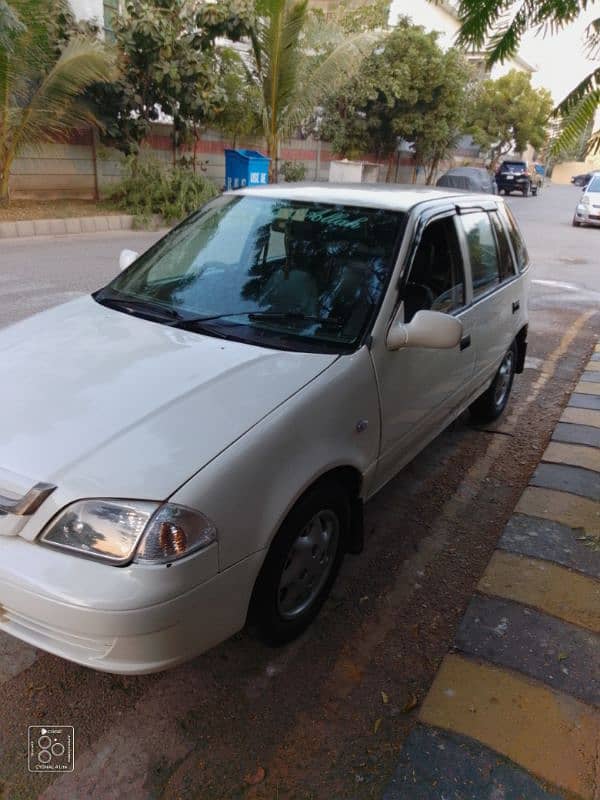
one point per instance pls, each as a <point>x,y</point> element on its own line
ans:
<point>105,404</point>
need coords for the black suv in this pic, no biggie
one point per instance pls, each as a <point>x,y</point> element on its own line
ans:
<point>514,176</point>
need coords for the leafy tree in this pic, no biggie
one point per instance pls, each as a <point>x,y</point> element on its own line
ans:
<point>408,88</point>
<point>43,76</point>
<point>508,113</point>
<point>239,114</point>
<point>295,63</point>
<point>167,57</point>
<point>498,26</point>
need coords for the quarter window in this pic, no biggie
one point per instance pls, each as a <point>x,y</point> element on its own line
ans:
<point>485,269</point>
<point>507,266</point>
<point>436,281</point>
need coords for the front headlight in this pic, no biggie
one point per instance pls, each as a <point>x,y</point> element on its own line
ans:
<point>585,200</point>
<point>115,531</point>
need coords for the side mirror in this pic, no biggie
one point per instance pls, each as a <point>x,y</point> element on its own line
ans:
<point>430,329</point>
<point>126,258</point>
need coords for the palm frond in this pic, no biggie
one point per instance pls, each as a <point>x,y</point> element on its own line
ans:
<point>585,88</point>
<point>52,109</point>
<point>497,26</point>
<point>10,25</point>
<point>592,40</point>
<point>575,124</point>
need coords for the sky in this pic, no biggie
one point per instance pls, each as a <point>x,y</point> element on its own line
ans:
<point>559,58</point>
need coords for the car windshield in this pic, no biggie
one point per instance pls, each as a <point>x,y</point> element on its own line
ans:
<point>594,184</point>
<point>514,166</point>
<point>280,273</point>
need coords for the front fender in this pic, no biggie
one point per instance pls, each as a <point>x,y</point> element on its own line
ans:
<point>249,488</point>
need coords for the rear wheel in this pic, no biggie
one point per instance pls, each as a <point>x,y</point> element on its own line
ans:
<point>302,564</point>
<point>492,403</point>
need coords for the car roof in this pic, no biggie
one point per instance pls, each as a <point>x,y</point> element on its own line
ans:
<point>394,197</point>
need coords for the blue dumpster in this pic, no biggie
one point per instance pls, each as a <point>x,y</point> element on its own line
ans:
<point>245,168</point>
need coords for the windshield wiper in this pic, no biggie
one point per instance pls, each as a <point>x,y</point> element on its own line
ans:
<point>134,306</point>
<point>266,316</point>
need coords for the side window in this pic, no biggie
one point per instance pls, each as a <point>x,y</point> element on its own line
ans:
<point>507,265</point>
<point>485,269</point>
<point>516,239</point>
<point>436,279</point>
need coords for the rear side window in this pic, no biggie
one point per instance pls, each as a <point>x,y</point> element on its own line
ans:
<point>507,265</point>
<point>516,239</point>
<point>485,267</point>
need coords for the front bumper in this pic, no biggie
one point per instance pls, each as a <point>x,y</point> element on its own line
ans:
<point>587,215</point>
<point>126,638</point>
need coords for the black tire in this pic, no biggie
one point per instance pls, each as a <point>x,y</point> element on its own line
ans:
<point>534,191</point>
<point>268,614</point>
<point>526,191</point>
<point>492,403</point>
<point>576,223</point>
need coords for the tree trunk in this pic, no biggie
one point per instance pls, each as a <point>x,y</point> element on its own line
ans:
<point>4,178</point>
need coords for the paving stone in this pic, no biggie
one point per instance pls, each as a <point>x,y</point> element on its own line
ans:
<point>58,226</point>
<point>552,651</point>
<point>596,357</point>
<point>25,227</point>
<point>588,387</point>
<point>582,416</point>
<point>73,225</point>
<point>544,585</point>
<point>576,434</point>
<point>591,375</point>
<point>101,223</point>
<point>547,732</point>
<point>542,538</point>
<point>437,765</point>
<point>88,225</point>
<point>584,401</point>
<point>569,509</point>
<point>42,227</point>
<point>114,223</point>
<point>565,478</point>
<point>8,230</point>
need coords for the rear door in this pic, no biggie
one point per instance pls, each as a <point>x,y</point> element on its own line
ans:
<point>495,289</point>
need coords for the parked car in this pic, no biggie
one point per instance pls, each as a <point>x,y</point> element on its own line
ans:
<point>472,179</point>
<point>583,179</point>
<point>516,176</point>
<point>587,210</point>
<point>191,445</point>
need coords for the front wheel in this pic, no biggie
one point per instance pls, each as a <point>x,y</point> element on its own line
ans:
<point>302,564</point>
<point>492,403</point>
<point>576,223</point>
<point>526,191</point>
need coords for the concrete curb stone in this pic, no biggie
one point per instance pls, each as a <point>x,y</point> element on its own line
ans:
<point>70,225</point>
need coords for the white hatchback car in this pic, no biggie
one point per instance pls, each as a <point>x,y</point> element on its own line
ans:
<point>587,211</point>
<point>191,446</point>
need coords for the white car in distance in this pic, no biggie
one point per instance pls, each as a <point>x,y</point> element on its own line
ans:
<point>587,211</point>
<point>191,446</point>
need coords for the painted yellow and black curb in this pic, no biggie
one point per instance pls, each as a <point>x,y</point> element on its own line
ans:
<point>515,708</point>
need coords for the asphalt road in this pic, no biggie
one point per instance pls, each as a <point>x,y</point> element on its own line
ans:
<point>311,714</point>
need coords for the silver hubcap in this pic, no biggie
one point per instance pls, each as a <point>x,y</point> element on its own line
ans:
<point>308,564</point>
<point>503,380</point>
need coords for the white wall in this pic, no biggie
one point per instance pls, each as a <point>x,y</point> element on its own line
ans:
<point>88,9</point>
<point>437,18</point>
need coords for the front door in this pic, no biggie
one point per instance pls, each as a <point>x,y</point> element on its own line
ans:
<point>421,388</point>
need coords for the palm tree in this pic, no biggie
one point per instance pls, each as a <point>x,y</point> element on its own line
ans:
<point>498,26</point>
<point>296,60</point>
<point>42,78</point>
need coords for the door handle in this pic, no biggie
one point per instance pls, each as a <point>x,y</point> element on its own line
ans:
<point>465,342</point>
<point>516,306</point>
